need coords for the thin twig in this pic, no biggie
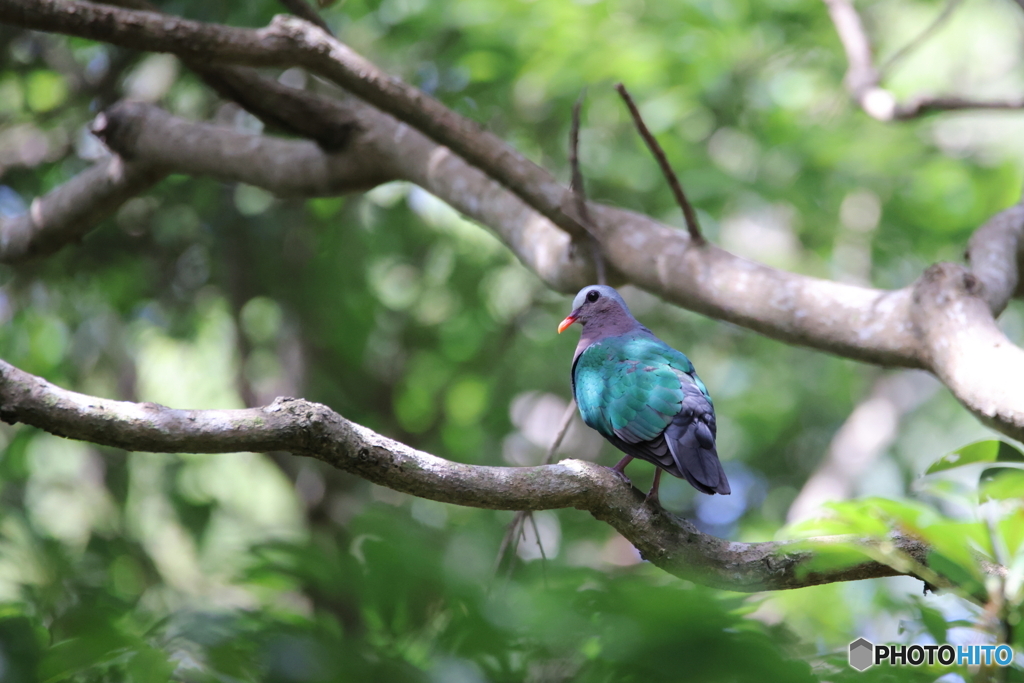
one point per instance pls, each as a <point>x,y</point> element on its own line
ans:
<point>519,537</point>
<point>543,555</point>
<point>924,35</point>
<point>692,226</point>
<point>510,532</point>
<point>563,427</point>
<point>579,192</point>
<point>519,520</point>
<point>300,9</point>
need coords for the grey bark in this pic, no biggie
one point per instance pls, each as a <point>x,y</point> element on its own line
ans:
<point>314,430</point>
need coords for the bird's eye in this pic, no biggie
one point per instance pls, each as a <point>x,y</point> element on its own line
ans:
<point>593,295</point>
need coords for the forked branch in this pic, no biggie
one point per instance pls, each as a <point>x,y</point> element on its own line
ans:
<point>863,79</point>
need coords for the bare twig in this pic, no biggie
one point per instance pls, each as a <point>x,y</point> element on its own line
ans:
<point>580,193</point>
<point>520,517</point>
<point>563,429</point>
<point>928,32</point>
<point>692,225</point>
<point>924,104</point>
<point>302,10</point>
<point>540,545</point>
<point>511,532</point>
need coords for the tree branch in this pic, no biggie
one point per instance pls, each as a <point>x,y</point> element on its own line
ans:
<point>287,42</point>
<point>692,225</point>
<point>68,212</point>
<point>926,104</point>
<point>313,430</point>
<point>863,79</point>
<point>302,10</point>
<point>285,167</point>
<point>579,192</point>
<point>921,38</point>
<point>296,111</point>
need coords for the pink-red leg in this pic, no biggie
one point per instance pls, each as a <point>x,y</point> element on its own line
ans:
<point>620,468</point>
<point>653,493</point>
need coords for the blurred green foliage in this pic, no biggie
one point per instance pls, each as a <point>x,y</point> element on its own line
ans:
<point>401,315</point>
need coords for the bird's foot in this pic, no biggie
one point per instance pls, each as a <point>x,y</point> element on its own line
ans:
<point>621,475</point>
<point>652,495</point>
<point>620,469</point>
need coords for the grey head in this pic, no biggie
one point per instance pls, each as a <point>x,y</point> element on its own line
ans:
<point>602,313</point>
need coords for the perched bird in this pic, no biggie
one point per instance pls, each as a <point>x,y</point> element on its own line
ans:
<point>641,394</point>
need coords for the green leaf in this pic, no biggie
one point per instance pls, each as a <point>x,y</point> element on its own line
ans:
<point>46,90</point>
<point>978,452</point>
<point>150,665</point>
<point>959,575</point>
<point>956,540</point>
<point>933,620</point>
<point>1000,483</point>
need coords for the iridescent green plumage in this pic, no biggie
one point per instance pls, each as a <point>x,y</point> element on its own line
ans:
<point>632,385</point>
<point>641,394</point>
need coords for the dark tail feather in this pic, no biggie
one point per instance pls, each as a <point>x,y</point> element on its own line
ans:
<point>693,447</point>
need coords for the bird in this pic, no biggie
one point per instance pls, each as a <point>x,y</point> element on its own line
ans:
<point>642,395</point>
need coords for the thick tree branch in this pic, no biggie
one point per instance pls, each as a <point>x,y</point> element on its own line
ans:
<point>313,430</point>
<point>289,41</point>
<point>328,122</point>
<point>966,349</point>
<point>289,109</point>
<point>285,167</point>
<point>863,79</point>
<point>851,321</point>
<point>68,212</point>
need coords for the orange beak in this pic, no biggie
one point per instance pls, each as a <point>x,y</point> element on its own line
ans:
<point>564,325</point>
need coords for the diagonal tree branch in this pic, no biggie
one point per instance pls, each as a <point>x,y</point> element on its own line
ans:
<point>295,111</point>
<point>692,224</point>
<point>68,212</point>
<point>313,430</point>
<point>289,41</point>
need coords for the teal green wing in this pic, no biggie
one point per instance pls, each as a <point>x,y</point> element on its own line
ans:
<point>632,388</point>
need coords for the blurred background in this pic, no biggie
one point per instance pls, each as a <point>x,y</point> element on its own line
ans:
<point>396,312</point>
